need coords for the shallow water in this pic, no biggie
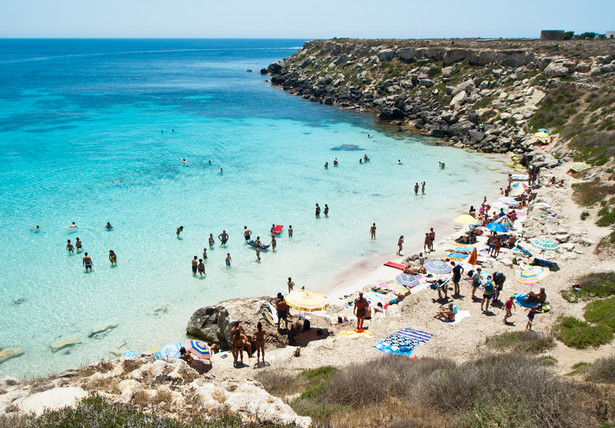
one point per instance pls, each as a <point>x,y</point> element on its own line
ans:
<point>75,116</point>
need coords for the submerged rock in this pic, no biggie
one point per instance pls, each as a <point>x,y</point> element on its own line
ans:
<point>64,342</point>
<point>8,353</point>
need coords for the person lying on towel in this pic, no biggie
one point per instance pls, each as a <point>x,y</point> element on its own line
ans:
<point>446,314</point>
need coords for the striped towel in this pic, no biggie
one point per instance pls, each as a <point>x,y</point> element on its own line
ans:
<point>403,342</point>
<point>458,256</point>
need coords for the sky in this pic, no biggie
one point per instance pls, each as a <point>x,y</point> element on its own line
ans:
<point>300,19</point>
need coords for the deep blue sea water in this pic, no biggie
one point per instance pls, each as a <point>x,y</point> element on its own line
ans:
<point>78,115</point>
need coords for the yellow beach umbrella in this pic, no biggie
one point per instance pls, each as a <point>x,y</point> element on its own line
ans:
<point>305,300</point>
<point>532,274</point>
<point>466,219</point>
<point>579,166</point>
<point>542,135</point>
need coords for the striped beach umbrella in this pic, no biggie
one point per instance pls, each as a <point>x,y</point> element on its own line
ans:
<point>505,221</point>
<point>508,201</point>
<point>408,281</point>
<point>532,274</point>
<point>545,244</point>
<point>580,166</point>
<point>394,287</point>
<point>131,354</point>
<point>438,266</point>
<point>305,300</point>
<point>168,350</point>
<point>198,348</point>
<point>496,227</point>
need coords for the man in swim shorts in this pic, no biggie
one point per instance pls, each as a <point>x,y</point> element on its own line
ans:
<point>282,308</point>
<point>223,237</point>
<point>246,233</point>
<point>317,211</point>
<point>195,264</point>
<point>228,259</point>
<point>360,309</point>
<point>179,230</point>
<point>70,247</point>
<point>290,231</point>
<point>457,271</point>
<point>291,284</point>
<point>87,262</point>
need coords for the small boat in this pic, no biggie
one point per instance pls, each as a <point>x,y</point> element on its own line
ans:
<point>253,244</point>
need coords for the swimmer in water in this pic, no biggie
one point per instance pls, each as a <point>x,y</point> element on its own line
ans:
<point>87,262</point>
<point>73,226</point>
<point>37,227</point>
<point>185,161</point>
<point>399,162</point>
<point>326,165</point>
<point>78,245</point>
<point>290,231</point>
<point>221,172</point>
<point>108,226</point>
<point>228,259</point>
<point>335,163</point>
<point>212,241</point>
<point>112,258</point>
<point>210,161</point>
<point>69,247</point>
<point>179,230</point>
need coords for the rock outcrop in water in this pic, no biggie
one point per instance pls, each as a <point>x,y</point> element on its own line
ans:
<point>443,88</point>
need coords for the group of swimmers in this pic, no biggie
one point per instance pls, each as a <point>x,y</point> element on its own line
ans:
<point>87,262</point>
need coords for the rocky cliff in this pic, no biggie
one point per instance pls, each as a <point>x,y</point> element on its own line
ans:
<point>476,93</point>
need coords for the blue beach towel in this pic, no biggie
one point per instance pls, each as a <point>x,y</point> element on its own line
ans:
<point>402,342</point>
<point>520,300</point>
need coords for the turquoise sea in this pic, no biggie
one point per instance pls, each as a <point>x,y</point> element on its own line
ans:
<point>78,115</point>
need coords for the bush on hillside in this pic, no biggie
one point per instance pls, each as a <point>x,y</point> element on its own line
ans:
<point>581,334</point>
<point>522,341</point>
<point>601,312</point>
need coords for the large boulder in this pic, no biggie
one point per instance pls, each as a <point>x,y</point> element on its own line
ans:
<point>406,54</point>
<point>556,70</point>
<point>452,56</point>
<point>52,399</point>
<point>8,353</point>
<point>386,55</point>
<point>467,86</point>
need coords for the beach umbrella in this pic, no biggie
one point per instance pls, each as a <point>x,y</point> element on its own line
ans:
<point>519,184</point>
<point>580,166</point>
<point>131,354</point>
<point>168,350</point>
<point>496,227</point>
<point>473,260</point>
<point>438,266</point>
<point>545,244</point>
<point>395,287</point>
<point>198,348</point>
<point>541,134</point>
<point>505,221</point>
<point>532,274</point>
<point>408,281</point>
<point>466,219</point>
<point>508,201</point>
<point>546,131</point>
<point>498,205</point>
<point>305,300</point>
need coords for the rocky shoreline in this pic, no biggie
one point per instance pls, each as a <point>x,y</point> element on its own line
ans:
<point>471,95</point>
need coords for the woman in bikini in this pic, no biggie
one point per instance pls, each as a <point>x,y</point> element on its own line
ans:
<point>259,336</point>
<point>237,344</point>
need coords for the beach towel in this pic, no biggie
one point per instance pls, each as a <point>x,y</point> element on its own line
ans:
<point>520,300</point>
<point>458,317</point>
<point>380,289</point>
<point>373,298</point>
<point>403,342</point>
<point>457,256</point>
<point>354,334</point>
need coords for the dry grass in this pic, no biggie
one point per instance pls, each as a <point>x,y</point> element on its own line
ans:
<point>592,192</point>
<point>102,367</point>
<point>130,365</point>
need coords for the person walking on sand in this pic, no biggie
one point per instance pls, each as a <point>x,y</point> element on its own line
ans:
<point>259,337</point>
<point>457,271</point>
<point>426,243</point>
<point>290,231</point>
<point>87,262</point>
<point>228,259</point>
<point>416,189</point>
<point>372,231</point>
<point>432,238</point>
<point>258,253</point>
<point>530,317</point>
<point>223,237</point>
<point>360,309</point>
<point>291,284</point>
<point>112,258</point>
<point>487,294</point>
<point>509,305</point>
<point>201,267</point>
<point>246,233</point>
<point>317,211</point>
<point>237,343</point>
<point>400,243</point>
<point>423,187</point>
<point>274,242</point>
<point>326,210</point>
<point>195,264</point>
<point>212,241</point>
<point>475,282</point>
<point>69,247</point>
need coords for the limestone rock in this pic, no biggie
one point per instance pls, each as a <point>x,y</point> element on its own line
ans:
<point>406,54</point>
<point>52,399</point>
<point>459,99</point>
<point>586,242</point>
<point>562,238</point>
<point>104,326</point>
<point>556,70</point>
<point>64,342</point>
<point>466,86</point>
<point>568,246</point>
<point>8,353</point>
<point>386,55</point>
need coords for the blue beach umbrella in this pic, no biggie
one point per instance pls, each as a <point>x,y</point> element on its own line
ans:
<point>438,266</point>
<point>545,244</point>
<point>408,281</point>
<point>168,350</point>
<point>198,348</point>
<point>496,227</point>
<point>131,354</point>
<point>546,131</point>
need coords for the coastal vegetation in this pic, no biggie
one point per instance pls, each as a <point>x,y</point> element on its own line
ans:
<point>511,389</point>
<point>522,341</point>
<point>579,334</point>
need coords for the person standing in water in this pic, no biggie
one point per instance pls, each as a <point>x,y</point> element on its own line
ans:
<point>73,226</point>
<point>69,247</point>
<point>246,233</point>
<point>423,187</point>
<point>400,243</point>
<point>108,226</point>
<point>223,237</point>
<point>432,238</point>
<point>212,241</point>
<point>201,267</point>
<point>290,231</point>
<point>195,263</point>
<point>87,262</point>
<point>416,189</point>
<point>204,253</point>
<point>258,253</point>
<point>372,231</point>
<point>179,230</point>
<point>326,210</point>
<point>228,259</point>
<point>335,163</point>
<point>78,245</point>
<point>291,284</point>
<point>112,258</point>
<point>273,243</point>
<point>317,211</point>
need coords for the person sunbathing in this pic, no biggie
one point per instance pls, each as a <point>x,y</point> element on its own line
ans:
<point>446,314</point>
<point>415,271</point>
<point>539,298</point>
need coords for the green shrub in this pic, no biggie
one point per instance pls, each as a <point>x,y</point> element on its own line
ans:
<point>591,192</point>
<point>581,334</point>
<point>522,341</point>
<point>601,371</point>
<point>596,284</point>
<point>584,215</point>
<point>503,411</point>
<point>601,312</point>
